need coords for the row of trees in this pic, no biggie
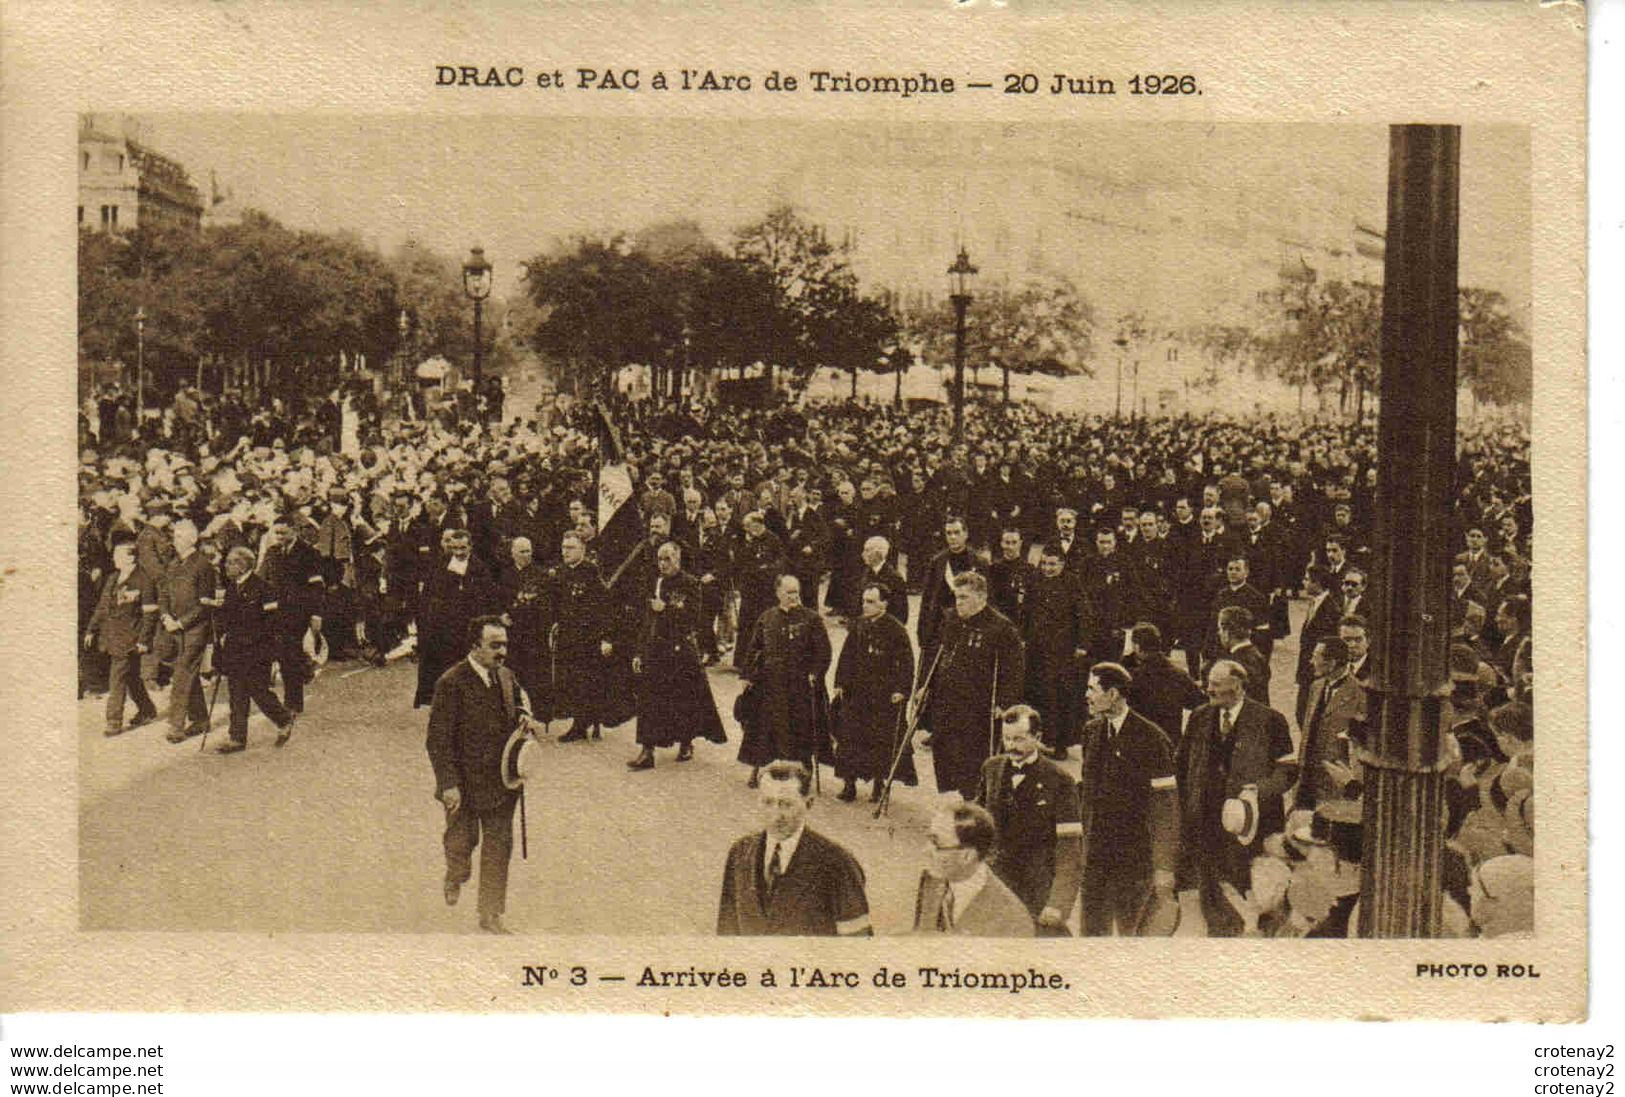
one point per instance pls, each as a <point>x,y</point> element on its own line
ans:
<point>257,305</point>
<point>782,295</point>
<point>1325,335</point>
<point>264,308</point>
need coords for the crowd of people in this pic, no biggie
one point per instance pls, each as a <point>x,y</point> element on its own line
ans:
<point>1049,587</point>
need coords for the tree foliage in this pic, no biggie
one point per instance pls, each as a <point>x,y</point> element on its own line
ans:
<point>1041,326</point>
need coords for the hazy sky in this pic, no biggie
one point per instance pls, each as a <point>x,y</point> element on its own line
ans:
<point>1182,220</point>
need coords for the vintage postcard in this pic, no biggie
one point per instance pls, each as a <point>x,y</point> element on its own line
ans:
<point>961,509</point>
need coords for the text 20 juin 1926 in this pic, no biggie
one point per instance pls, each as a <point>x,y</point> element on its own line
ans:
<point>816,81</point>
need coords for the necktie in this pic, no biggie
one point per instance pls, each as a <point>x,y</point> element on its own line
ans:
<point>945,915</point>
<point>774,871</point>
<point>1224,723</point>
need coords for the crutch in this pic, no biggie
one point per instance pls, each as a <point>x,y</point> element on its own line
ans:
<point>912,725</point>
<point>993,712</point>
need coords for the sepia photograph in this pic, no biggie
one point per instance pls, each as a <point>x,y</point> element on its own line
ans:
<point>731,527</point>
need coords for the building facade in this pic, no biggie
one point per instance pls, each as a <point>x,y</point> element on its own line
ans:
<point>123,184</point>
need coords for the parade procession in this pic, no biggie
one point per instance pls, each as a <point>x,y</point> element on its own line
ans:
<point>711,574</point>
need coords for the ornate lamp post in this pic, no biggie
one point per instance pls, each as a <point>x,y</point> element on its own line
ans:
<point>477,284</point>
<point>960,275</point>
<point>140,365</point>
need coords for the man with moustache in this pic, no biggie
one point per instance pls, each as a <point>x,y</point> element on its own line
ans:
<point>1040,837</point>
<point>477,705</point>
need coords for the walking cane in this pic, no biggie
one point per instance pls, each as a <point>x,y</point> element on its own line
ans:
<point>214,695</point>
<point>214,692</point>
<point>912,725</point>
<point>524,835</point>
<point>552,675</point>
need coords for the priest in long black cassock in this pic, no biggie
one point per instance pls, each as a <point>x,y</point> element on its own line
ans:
<point>1057,631</point>
<point>1011,579</point>
<point>872,681</point>
<point>453,595</point>
<point>938,582</point>
<point>580,619</point>
<point>758,562</point>
<point>979,674</point>
<point>675,706</point>
<point>785,661</point>
<point>523,592</point>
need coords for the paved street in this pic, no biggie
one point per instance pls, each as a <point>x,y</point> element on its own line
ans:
<point>338,831</point>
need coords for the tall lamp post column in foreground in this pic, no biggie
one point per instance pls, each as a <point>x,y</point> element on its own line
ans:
<point>1404,756</point>
<point>961,274</point>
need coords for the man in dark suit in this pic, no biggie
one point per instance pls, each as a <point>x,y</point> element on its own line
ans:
<point>477,705</point>
<point>1325,610</point>
<point>1065,540</point>
<point>1238,591</point>
<point>186,610</point>
<point>122,625</point>
<point>294,572</point>
<point>1160,691</point>
<point>787,879</point>
<point>958,893</point>
<point>806,543</point>
<point>245,645</point>
<point>1335,701</point>
<point>1233,767</point>
<point>1235,640</point>
<point>1035,805</point>
<point>873,571</point>
<point>1128,808</point>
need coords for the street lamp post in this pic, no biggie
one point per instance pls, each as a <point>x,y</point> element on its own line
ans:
<point>477,285</point>
<point>140,365</point>
<point>961,274</point>
<point>1122,350</point>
